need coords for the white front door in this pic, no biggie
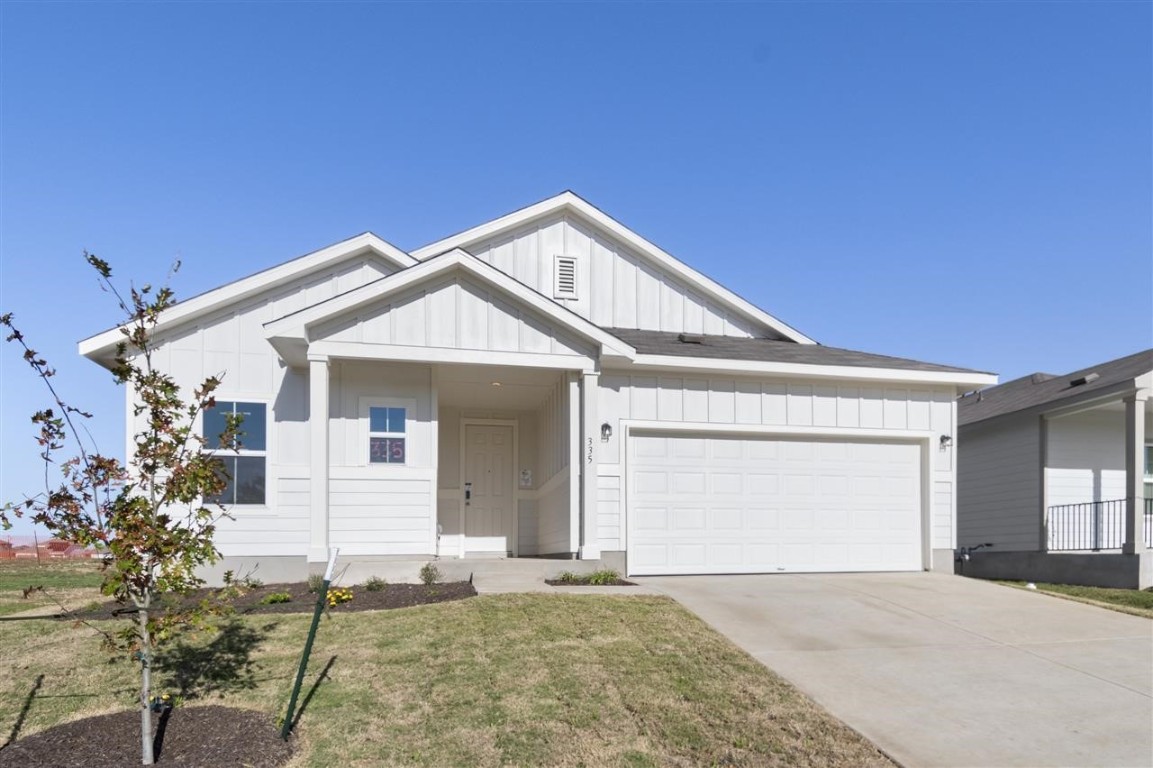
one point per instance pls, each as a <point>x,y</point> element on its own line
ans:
<point>490,501</point>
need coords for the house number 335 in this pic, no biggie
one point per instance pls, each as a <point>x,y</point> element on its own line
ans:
<point>590,457</point>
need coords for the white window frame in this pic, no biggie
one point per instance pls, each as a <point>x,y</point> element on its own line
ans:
<point>226,453</point>
<point>365,431</point>
<point>1147,470</point>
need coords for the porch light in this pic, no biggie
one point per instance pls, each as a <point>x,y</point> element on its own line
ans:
<point>946,441</point>
<point>496,383</point>
<point>606,432</point>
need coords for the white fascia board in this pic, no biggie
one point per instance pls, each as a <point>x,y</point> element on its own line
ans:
<point>101,345</point>
<point>296,324</point>
<point>571,202</point>
<point>807,371</point>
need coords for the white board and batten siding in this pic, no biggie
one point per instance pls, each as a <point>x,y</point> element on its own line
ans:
<point>230,344</point>
<point>380,508</point>
<point>455,314</point>
<point>615,287</point>
<point>768,409</point>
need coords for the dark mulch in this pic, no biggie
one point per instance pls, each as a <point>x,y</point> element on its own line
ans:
<point>192,737</point>
<point>250,601</point>
<point>584,582</point>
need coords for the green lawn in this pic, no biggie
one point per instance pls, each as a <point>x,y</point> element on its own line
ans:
<point>566,680</point>
<point>1135,601</point>
<point>62,579</point>
<point>59,574</point>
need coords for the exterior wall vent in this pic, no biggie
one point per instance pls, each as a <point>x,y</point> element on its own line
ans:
<point>565,278</point>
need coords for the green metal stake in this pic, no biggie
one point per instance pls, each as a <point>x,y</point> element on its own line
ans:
<point>321,597</point>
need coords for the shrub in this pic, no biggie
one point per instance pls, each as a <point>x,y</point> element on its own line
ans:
<point>251,582</point>
<point>375,584</point>
<point>315,583</point>
<point>276,597</point>
<point>603,577</point>
<point>568,577</point>
<point>430,574</point>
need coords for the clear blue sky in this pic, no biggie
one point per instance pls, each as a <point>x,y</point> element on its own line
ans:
<point>965,183</point>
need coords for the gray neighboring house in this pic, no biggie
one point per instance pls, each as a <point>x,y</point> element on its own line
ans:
<point>1056,472</point>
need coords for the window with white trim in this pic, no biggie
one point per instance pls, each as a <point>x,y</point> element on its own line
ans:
<point>387,435</point>
<point>564,277</point>
<point>245,459</point>
<point>1149,470</point>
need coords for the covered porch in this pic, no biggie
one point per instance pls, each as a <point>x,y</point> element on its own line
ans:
<point>1098,475</point>
<point>452,413</point>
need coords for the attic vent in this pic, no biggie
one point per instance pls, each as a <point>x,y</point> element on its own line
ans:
<point>1083,380</point>
<point>565,278</point>
<point>691,338</point>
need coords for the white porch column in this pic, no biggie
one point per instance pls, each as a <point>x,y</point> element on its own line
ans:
<point>1135,473</point>
<point>318,457</point>
<point>590,446</point>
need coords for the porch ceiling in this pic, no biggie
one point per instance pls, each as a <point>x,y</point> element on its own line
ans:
<point>472,386</point>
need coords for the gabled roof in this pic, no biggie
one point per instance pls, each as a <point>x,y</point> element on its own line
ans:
<point>102,345</point>
<point>295,325</point>
<point>767,350</point>
<point>1043,389</point>
<point>568,202</point>
<point>770,356</point>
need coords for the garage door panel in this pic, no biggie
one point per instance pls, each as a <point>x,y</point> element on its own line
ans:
<point>728,505</point>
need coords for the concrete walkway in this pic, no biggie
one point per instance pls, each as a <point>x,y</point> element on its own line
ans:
<point>939,670</point>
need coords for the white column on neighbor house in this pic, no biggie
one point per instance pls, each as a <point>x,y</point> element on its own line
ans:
<point>1135,472</point>
<point>589,455</point>
<point>318,458</point>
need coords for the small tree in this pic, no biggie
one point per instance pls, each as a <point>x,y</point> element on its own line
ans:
<point>148,513</point>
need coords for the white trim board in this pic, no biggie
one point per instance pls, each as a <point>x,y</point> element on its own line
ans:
<point>102,345</point>
<point>296,326</point>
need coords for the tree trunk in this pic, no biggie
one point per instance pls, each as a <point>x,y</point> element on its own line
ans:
<point>147,758</point>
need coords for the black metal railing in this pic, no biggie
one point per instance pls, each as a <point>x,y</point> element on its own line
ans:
<point>1093,526</point>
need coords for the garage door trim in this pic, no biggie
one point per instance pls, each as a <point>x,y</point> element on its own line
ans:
<point>754,431</point>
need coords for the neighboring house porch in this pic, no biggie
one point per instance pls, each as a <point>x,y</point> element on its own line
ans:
<point>1056,473</point>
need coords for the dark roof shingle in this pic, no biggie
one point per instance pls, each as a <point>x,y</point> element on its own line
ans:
<point>766,350</point>
<point>1041,388</point>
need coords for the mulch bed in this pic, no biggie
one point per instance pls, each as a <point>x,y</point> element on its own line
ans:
<point>585,583</point>
<point>302,601</point>
<point>192,737</point>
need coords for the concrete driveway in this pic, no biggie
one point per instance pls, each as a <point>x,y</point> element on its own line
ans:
<point>939,670</point>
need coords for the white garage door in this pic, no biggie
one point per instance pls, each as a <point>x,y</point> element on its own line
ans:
<point>739,505</point>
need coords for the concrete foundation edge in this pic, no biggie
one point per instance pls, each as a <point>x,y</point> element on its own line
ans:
<point>1097,569</point>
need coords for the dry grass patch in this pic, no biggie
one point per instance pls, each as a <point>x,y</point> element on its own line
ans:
<point>552,680</point>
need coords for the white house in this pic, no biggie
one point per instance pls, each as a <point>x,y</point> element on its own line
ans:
<point>1056,472</point>
<point>552,384</point>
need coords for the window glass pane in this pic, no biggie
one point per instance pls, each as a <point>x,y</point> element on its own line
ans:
<point>396,450</point>
<point>396,420</point>
<point>254,427</point>
<point>228,469</point>
<point>214,422</point>
<point>378,450</point>
<point>1149,460</point>
<point>249,480</point>
<point>378,419</point>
